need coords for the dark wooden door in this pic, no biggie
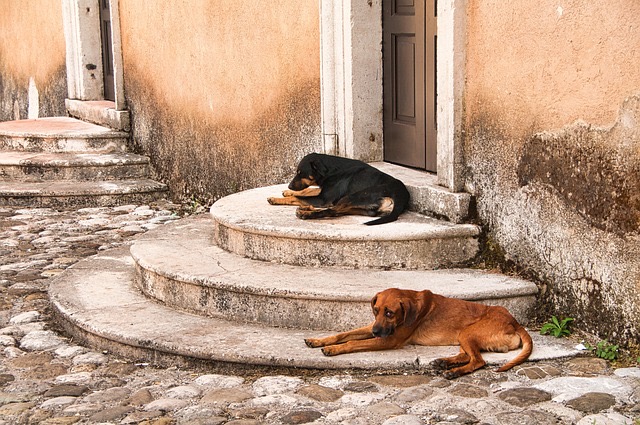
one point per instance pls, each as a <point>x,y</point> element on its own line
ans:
<point>409,43</point>
<point>107,51</point>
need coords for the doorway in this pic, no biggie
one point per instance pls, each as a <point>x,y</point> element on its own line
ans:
<point>409,30</point>
<point>107,51</point>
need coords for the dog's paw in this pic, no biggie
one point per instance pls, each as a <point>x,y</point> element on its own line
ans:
<point>287,193</point>
<point>449,374</point>
<point>440,364</point>
<point>304,212</point>
<point>331,350</point>
<point>313,342</point>
<point>272,200</point>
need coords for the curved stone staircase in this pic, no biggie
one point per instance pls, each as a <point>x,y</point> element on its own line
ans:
<point>62,162</point>
<point>245,284</point>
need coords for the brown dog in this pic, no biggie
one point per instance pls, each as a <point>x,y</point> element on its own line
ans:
<point>424,318</point>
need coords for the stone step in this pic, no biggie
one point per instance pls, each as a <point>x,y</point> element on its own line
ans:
<point>46,166</point>
<point>427,197</point>
<point>60,134</point>
<point>245,224</point>
<point>209,281</point>
<point>97,304</point>
<point>101,112</point>
<point>69,193</point>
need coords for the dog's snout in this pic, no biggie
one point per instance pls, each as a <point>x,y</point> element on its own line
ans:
<point>382,332</point>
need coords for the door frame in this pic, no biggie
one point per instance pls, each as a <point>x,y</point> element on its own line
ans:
<point>351,83</point>
<point>84,51</point>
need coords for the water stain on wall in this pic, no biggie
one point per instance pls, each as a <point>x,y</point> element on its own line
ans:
<point>14,95</point>
<point>203,158</point>
<point>593,170</point>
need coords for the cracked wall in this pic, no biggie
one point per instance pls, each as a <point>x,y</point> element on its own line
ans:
<point>32,60</point>
<point>552,146</point>
<point>224,96</point>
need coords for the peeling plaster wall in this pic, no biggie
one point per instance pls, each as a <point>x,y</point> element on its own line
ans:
<point>552,147</point>
<point>224,95</point>
<point>32,60</point>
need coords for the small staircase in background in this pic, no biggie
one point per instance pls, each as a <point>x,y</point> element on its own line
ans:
<point>65,162</point>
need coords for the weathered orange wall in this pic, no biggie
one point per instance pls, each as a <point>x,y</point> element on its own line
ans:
<point>549,63</point>
<point>31,46</point>
<point>225,95</point>
<point>552,146</point>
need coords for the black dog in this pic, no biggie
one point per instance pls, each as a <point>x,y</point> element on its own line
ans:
<point>331,186</point>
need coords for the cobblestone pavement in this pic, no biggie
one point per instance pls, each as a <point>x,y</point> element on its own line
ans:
<point>45,378</point>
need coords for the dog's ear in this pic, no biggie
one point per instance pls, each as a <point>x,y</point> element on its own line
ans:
<point>318,168</point>
<point>410,311</point>
<point>374,300</point>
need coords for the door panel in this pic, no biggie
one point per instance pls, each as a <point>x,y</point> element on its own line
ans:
<point>107,51</point>
<point>409,83</point>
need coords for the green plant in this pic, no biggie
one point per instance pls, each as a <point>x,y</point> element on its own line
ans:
<point>604,349</point>
<point>557,328</point>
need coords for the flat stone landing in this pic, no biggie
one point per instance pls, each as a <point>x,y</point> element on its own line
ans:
<point>247,225</point>
<point>98,301</point>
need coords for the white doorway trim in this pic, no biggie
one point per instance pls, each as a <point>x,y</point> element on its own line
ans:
<point>351,83</point>
<point>83,49</point>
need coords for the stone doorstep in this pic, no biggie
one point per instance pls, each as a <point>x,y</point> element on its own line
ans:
<point>39,166</point>
<point>427,197</point>
<point>60,134</point>
<point>213,282</point>
<point>96,302</point>
<point>68,188</point>
<point>66,194</point>
<point>414,241</point>
<point>101,112</point>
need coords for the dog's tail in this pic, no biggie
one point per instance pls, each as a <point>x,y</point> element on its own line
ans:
<point>527,348</point>
<point>400,203</point>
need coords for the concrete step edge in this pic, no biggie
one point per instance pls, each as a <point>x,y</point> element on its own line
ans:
<point>57,128</point>
<point>95,302</point>
<point>79,188</point>
<point>170,270</point>
<point>245,224</point>
<point>427,196</point>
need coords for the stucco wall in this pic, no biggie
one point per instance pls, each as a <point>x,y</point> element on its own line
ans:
<point>32,51</point>
<point>224,95</point>
<point>552,146</point>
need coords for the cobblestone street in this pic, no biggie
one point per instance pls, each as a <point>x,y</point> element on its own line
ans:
<point>46,378</point>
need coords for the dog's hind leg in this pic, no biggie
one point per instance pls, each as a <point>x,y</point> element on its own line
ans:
<point>449,362</point>
<point>471,346</point>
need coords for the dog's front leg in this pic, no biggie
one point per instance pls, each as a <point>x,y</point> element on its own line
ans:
<point>371,344</point>
<point>298,198</point>
<point>355,334</point>
<point>307,192</point>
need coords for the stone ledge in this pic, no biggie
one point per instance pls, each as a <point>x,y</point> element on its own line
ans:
<point>100,112</point>
<point>96,302</point>
<point>414,241</point>
<point>196,280</point>
<point>427,197</point>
